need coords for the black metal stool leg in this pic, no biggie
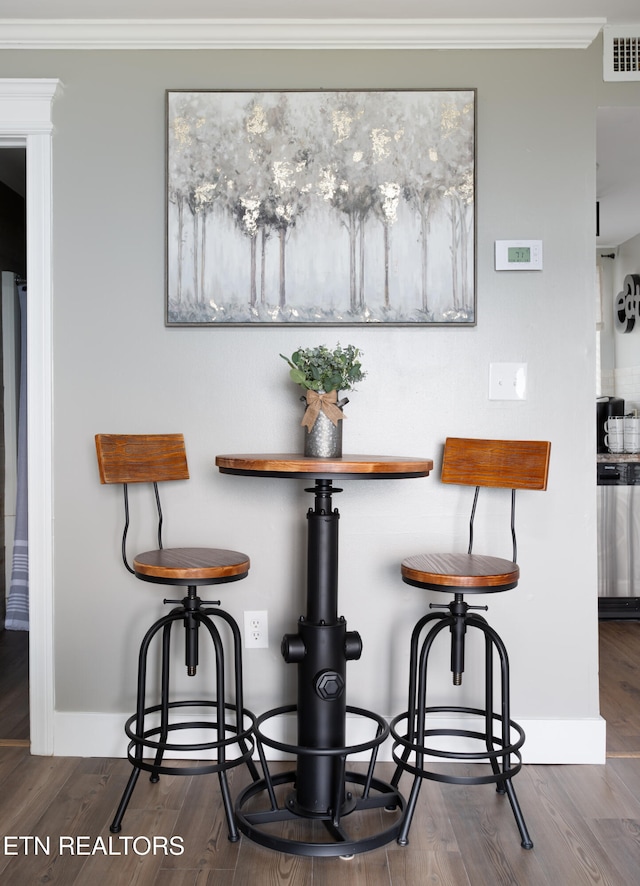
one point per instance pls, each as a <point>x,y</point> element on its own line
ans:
<point>234,836</point>
<point>417,708</point>
<point>156,738</point>
<point>403,836</point>
<point>221,728</point>
<point>414,669</point>
<point>416,713</point>
<point>488,706</point>
<point>499,747</point>
<point>494,641</point>
<point>239,683</point>
<point>116,824</point>
<point>154,778</point>
<point>526,841</point>
<point>165,622</point>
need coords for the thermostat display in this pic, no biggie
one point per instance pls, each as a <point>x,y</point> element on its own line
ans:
<point>518,255</point>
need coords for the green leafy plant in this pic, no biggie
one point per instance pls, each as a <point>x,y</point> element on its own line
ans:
<point>320,369</point>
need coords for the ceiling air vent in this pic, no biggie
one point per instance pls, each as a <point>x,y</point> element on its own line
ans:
<point>621,59</point>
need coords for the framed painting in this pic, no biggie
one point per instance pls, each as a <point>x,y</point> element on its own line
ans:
<point>335,208</point>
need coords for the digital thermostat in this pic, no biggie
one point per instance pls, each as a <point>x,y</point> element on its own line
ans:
<point>518,255</point>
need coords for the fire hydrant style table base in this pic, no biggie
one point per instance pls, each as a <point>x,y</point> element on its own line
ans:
<point>320,784</point>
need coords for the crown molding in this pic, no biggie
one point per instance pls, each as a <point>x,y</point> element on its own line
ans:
<point>25,105</point>
<point>533,33</point>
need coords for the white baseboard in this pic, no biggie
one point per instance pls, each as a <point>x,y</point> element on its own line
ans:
<point>548,741</point>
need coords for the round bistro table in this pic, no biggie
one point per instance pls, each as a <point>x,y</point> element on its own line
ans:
<point>321,649</point>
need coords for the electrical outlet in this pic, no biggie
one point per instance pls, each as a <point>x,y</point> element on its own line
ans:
<point>256,629</point>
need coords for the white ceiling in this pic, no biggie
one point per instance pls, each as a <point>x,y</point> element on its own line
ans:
<point>618,129</point>
<point>615,11</point>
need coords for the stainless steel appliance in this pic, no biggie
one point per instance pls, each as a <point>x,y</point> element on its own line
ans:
<point>618,539</point>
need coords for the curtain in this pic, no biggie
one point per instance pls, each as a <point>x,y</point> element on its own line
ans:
<point>17,617</point>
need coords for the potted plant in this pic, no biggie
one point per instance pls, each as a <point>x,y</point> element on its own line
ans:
<point>322,373</point>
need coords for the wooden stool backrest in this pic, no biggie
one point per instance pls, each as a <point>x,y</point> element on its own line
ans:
<point>141,458</point>
<point>510,464</point>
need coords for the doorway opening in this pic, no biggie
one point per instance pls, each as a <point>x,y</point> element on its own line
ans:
<point>14,636</point>
<point>618,374</point>
<point>26,121</point>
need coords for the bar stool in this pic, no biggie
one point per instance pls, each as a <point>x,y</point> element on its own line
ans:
<point>141,458</point>
<point>480,463</point>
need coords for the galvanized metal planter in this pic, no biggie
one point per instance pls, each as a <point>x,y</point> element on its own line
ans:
<point>324,438</point>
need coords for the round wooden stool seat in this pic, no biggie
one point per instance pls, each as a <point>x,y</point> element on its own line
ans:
<point>462,573</point>
<point>191,565</point>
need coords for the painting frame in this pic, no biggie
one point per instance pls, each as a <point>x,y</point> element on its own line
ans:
<point>320,207</point>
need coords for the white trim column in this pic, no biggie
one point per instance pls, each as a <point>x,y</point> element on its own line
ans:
<point>25,118</point>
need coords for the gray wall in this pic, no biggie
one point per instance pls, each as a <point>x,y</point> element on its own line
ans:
<point>117,368</point>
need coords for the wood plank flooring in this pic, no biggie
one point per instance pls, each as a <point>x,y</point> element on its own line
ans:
<point>620,685</point>
<point>584,820</point>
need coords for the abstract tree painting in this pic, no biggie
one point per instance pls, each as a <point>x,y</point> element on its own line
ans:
<point>320,207</point>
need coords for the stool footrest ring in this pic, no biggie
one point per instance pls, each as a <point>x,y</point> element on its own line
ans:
<point>325,834</point>
<point>495,751</point>
<point>239,736</point>
<point>348,750</point>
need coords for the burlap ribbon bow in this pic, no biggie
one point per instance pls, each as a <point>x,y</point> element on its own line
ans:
<point>317,402</point>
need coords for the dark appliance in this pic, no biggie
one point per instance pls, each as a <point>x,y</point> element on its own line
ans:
<point>606,407</point>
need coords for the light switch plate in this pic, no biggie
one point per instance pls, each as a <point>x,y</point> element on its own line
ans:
<point>507,381</point>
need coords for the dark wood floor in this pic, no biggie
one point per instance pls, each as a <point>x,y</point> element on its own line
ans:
<point>584,820</point>
<point>14,686</point>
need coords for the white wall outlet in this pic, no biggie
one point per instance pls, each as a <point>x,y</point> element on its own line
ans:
<point>256,629</point>
<point>507,381</point>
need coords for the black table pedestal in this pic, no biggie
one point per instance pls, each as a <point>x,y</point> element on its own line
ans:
<point>321,649</point>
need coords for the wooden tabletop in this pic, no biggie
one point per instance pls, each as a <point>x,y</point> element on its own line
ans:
<point>286,464</point>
